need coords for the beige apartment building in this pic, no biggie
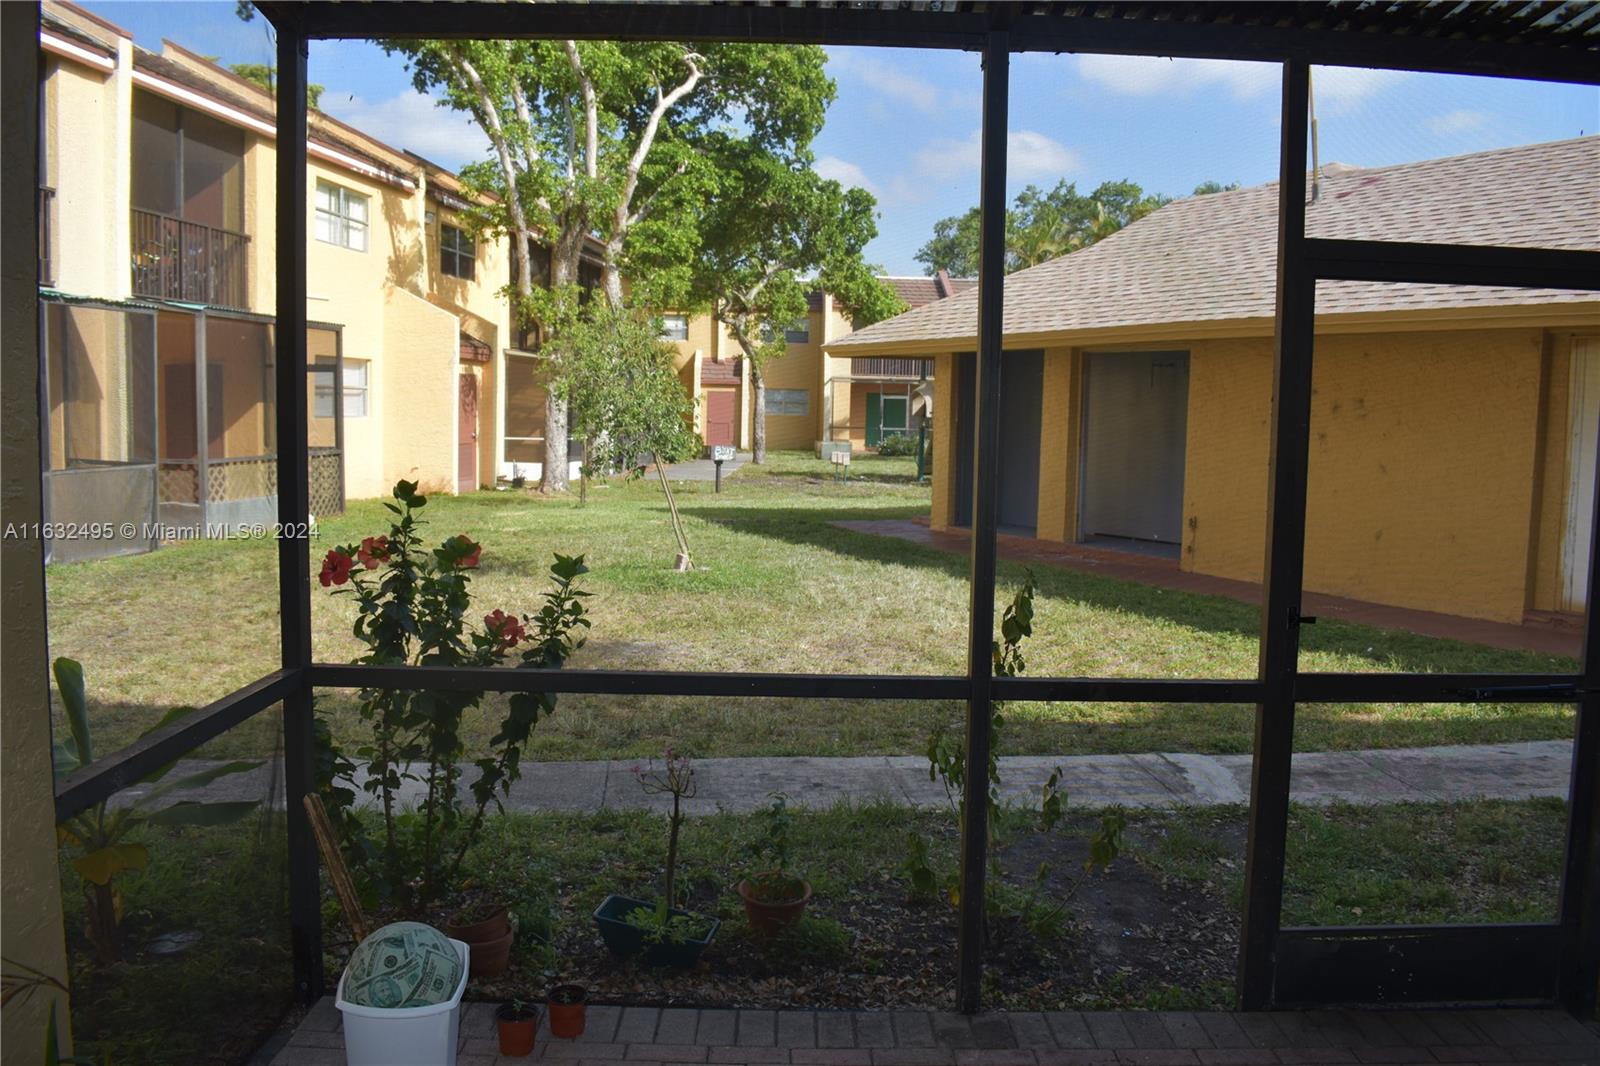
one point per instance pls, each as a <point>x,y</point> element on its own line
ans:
<point>157,246</point>
<point>814,399</point>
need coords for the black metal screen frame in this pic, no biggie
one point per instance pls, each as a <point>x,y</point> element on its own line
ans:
<point>1540,962</point>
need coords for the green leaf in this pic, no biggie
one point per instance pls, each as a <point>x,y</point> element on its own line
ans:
<point>69,680</point>
<point>201,778</point>
<point>202,814</point>
<point>101,865</point>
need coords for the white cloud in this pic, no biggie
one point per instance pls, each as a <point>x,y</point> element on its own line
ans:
<point>1458,121</point>
<point>1029,154</point>
<point>895,84</point>
<point>411,120</point>
<point>1150,75</point>
<point>845,173</point>
<point>1336,89</point>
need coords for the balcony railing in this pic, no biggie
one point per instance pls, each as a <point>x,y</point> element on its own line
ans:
<point>174,259</point>
<point>890,368</point>
<point>47,210</point>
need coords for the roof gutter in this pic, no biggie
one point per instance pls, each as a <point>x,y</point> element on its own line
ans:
<point>233,115</point>
<point>63,47</point>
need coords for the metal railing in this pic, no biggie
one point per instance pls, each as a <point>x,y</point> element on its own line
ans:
<point>175,259</point>
<point>47,210</point>
<point>891,368</point>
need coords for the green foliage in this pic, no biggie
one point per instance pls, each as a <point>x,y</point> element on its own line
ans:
<point>627,403</point>
<point>1041,225</point>
<point>675,778</point>
<point>769,229</point>
<point>266,76</point>
<point>898,445</point>
<point>1206,188</point>
<point>947,763</point>
<point>103,838</point>
<point>775,880</point>
<point>813,939</point>
<point>411,608</point>
<point>661,926</point>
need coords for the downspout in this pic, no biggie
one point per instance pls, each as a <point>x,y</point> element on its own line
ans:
<point>1316,165</point>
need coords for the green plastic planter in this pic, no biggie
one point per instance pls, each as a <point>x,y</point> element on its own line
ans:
<point>626,940</point>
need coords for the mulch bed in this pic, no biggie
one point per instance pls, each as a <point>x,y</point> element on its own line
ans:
<point>1133,938</point>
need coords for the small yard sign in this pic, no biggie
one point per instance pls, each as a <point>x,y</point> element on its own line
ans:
<point>721,453</point>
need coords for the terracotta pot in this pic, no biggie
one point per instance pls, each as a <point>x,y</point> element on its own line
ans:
<point>566,1007</point>
<point>496,924</point>
<point>488,941</point>
<point>766,917</point>
<point>517,1030</point>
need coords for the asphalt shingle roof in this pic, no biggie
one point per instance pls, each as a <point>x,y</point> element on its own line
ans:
<point>1213,258</point>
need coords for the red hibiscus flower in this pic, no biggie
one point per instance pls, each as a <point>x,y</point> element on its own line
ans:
<point>336,567</point>
<point>373,550</point>
<point>469,558</point>
<point>505,628</point>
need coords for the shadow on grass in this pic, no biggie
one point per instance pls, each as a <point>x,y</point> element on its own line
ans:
<point>1388,650</point>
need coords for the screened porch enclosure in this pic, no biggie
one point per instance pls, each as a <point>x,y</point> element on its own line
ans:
<point>1279,964</point>
<point>161,426</point>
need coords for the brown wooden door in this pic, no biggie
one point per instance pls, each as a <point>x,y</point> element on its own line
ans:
<point>721,412</point>
<point>467,436</point>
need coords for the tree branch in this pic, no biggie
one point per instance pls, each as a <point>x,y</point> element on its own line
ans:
<point>591,111</point>
<point>664,103</point>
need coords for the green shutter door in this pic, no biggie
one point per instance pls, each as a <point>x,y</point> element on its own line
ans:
<point>874,419</point>
<point>894,416</point>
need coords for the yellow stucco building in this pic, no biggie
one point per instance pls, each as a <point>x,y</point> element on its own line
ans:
<point>1453,434</point>
<point>157,252</point>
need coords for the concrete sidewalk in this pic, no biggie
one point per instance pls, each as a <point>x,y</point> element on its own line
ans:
<point>1169,779</point>
<point>705,469</point>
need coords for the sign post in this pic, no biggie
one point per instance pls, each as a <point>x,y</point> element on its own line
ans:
<point>720,453</point>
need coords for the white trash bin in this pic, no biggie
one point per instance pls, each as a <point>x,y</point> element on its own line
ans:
<point>404,1036</point>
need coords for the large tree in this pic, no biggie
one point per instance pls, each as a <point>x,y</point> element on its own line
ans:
<point>773,231</point>
<point>592,139</point>
<point>1042,225</point>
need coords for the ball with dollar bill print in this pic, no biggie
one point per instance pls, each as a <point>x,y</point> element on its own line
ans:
<point>403,964</point>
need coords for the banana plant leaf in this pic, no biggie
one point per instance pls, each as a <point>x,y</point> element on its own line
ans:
<point>79,747</point>
<point>200,778</point>
<point>101,865</point>
<point>201,814</point>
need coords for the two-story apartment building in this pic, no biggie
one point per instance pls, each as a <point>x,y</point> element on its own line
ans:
<point>157,238</point>
<point>813,398</point>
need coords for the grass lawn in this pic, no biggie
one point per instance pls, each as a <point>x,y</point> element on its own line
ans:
<point>778,588</point>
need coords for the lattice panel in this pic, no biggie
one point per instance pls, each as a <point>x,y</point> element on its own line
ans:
<point>326,478</point>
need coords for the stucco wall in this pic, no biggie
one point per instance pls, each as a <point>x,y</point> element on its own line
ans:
<point>947,397</point>
<point>800,367</point>
<point>30,921</point>
<point>87,116</point>
<point>419,397</point>
<point>1436,467</point>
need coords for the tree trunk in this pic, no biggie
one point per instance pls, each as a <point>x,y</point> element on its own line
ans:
<point>611,281</point>
<point>554,476</point>
<point>758,420</point>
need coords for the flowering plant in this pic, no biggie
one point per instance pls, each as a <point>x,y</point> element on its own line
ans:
<point>413,607</point>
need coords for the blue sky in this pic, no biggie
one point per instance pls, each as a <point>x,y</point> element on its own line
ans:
<point>905,124</point>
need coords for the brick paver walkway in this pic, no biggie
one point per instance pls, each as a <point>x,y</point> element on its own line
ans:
<point>638,1035</point>
<point>1552,634</point>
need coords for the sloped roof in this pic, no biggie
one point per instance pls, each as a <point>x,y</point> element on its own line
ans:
<point>1212,258</point>
<point>919,291</point>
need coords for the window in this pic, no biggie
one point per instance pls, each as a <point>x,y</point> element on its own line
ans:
<point>674,327</point>
<point>355,388</point>
<point>341,216</point>
<point>457,252</point>
<point>788,402</point>
<point>795,333</point>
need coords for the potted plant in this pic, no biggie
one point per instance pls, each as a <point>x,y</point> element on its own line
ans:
<point>775,897</point>
<point>485,927</point>
<point>517,1023</point>
<point>665,935</point>
<point>566,1007</point>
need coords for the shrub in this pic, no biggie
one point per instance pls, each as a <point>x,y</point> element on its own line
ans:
<point>898,444</point>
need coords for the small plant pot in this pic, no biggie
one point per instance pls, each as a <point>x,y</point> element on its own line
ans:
<point>768,916</point>
<point>517,1029</point>
<point>488,940</point>
<point>566,1008</point>
<point>627,940</point>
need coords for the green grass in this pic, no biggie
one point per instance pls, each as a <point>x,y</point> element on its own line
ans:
<point>864,944</point>
<point>1396,864</point>
<point>778,587</point>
